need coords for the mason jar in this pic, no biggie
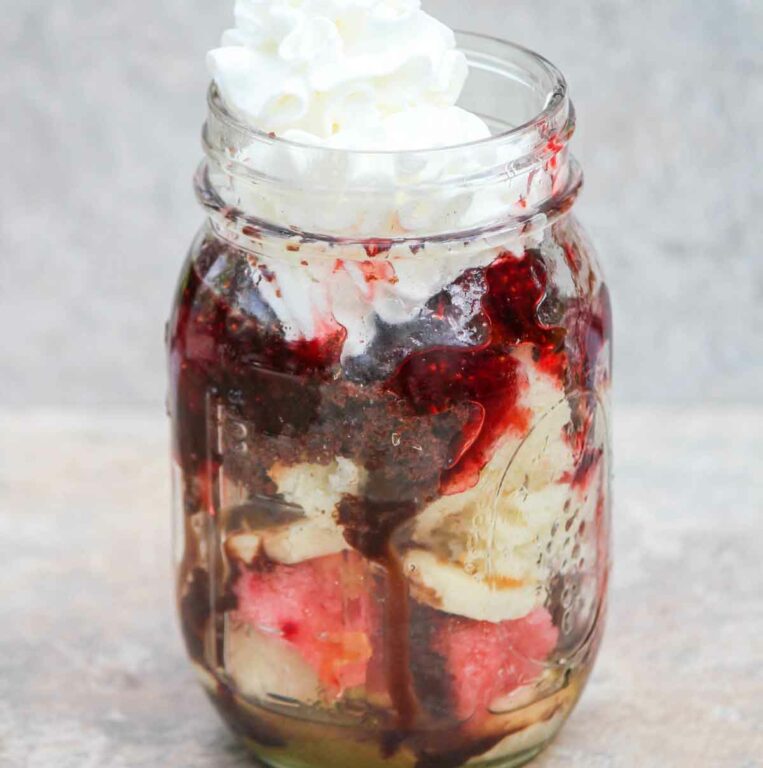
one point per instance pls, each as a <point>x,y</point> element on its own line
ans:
<point>389,385</point>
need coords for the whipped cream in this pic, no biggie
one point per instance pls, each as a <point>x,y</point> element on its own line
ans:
<point>380,78</point>
<point>347,74</point>
<point>315,293</point>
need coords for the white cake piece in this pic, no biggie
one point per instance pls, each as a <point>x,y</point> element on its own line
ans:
<point>317,489</point>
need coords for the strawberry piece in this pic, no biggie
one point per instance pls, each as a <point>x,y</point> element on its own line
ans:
<point>322,608</point>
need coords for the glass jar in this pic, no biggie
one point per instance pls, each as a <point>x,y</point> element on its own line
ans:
<point>389,382</point>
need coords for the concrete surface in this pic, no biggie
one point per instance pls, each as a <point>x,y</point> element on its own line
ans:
<point>102,107</point>
<point>92,674</point>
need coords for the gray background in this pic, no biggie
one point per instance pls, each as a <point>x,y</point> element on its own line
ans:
<point>102,105</point>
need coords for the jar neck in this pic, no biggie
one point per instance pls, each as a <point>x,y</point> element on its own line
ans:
<point>253,184</point>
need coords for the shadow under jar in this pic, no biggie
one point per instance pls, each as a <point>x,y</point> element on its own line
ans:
<point>389,385</point>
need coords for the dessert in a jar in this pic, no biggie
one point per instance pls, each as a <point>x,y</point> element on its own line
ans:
<point>390,363</point>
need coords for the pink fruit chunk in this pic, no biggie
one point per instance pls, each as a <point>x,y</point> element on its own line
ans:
<point>486,661</point>
<point>321,607</point>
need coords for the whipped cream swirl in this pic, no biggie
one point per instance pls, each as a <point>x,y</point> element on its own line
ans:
<point>381,78</point>
<point>347,74</point>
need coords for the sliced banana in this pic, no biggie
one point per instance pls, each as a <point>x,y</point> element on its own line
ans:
<point>450,588</point>
<point>531,725</point>
<point>260,666</point>
<point>484,553</point>
<point>531,736</point>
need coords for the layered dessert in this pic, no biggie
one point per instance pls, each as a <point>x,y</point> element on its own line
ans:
<point>391,444</point>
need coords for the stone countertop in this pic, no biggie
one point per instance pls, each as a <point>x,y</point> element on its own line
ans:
<point>92,674</point>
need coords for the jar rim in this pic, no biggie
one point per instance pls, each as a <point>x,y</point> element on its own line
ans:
<point>520,176</point>
<point>556,116</point>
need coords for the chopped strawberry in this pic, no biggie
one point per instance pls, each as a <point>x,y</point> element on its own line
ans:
<point>486,661</point>
<point>322,607</point>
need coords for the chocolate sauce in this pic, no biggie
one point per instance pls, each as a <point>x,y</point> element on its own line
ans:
<point>397,650</point>
<point>431,678</point>
<point>369,527</point>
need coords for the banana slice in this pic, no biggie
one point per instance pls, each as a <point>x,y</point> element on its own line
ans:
<point>492,560</point>
<point>530,736</point>
<point>532,725</point>
<point>450,588</point>
<point>485,553</point>
<point>261,666</point>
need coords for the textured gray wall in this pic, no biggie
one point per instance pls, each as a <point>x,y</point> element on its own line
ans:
<point>102,104</point>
